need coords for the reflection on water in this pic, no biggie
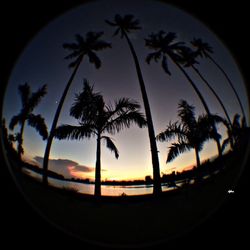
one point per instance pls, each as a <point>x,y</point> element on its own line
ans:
<point>107,190</point>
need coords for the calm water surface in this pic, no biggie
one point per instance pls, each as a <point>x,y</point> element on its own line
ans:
<point>107,190</point>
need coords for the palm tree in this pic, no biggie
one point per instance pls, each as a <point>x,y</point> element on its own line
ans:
<point>29,102</point>
<point>190,132</point>
<point>124,26</point>
<point>96,119</point>
<point>165,47</point>
<point>204,49</point>
<point>83,48</point>
<point>236,132</point>
<point>189,60</point>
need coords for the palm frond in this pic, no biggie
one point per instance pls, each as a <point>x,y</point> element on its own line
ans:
<point>206,122</point>
<point>126,24</point>
<point>225,144</point>
<point>203,48</point>
<point>14,121</point>
<point>111,146</point>
<point>75,62</point>
<point>215,135</point>
<point>86,45</point>
<point>72,55</point>
<point>187,114</point>
<point>122,105</point>
<point>160,40</point>
<point>75,132</point>
<point>125,120</point>
<point>156,56</point>
<point>169,37</point>
<point>153,41</point>
<point>71,46</point>
<point>100,45</point>
<point>24,91</point>
<point>93,58</point>
<point>187,56</point>
<point>172,131</point>
<point>85,106</point>
<point>110,23</point>
<point>37,122</point>
<point>36,97</point>
<point>117,31</point>
<point>94,43</point>
<point>92,37</point>
<point>219,119</point>
<point>164,65</point>
<point>176,149</point>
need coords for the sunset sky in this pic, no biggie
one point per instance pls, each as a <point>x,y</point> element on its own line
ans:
<point>42,63</point>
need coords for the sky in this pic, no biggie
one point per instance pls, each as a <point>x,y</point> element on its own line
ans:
<point>42,62</point>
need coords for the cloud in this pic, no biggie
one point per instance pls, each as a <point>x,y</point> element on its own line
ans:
<point>66,167</point>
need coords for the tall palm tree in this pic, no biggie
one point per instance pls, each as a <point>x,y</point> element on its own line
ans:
<point>190,132</point>
<point>189,60</point>
<point>96,119</point>
<point>29,103</point>
<point>165,47</point>
<point>124,26</point>
<point>205,50</point>
<point>85,47</point>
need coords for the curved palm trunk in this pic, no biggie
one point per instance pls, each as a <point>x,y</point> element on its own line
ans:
<point>203,102</point>
<point>215,94</point>
<point>218,99</point>
<point>98,167</point>
<point>230,83</point>
<point>54,124</point>
<point>154,152</point>
<point>20,141</point>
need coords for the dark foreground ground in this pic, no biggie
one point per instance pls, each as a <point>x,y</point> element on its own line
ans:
<point>130,221</point>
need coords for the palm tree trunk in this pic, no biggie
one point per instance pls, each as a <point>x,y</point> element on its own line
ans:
<point>215,94</point>
<point>98,167</point>
<point>20,141</point>
<point>203,102</point>
<point>230,83</point>
<point>218,99</point>
<point>54,124</point>
<point>154,152</point>
<point>197,156</point>
<point>198,164</point>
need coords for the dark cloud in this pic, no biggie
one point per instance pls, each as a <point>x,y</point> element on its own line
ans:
<point>66,167</point>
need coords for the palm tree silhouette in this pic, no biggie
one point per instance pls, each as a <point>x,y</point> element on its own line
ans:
<point>189,60</point>
<point>29,102</point>
<point>83,48</point>
<point>204,49</point>
<point>96,118</point>
<point>165,47</point>
<point>124,26</point>
<point>190,132</point>
<point>235,132</point>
